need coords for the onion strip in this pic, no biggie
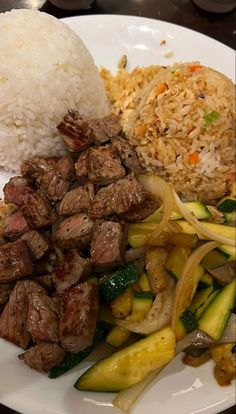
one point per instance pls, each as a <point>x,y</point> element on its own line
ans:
<point>158,316</point>
<point>160,189</point>
<point>189,217</point>
<point>127,398</point>
<point>187,284</point>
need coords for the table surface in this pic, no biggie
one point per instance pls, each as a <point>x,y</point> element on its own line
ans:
<point>183,12</point>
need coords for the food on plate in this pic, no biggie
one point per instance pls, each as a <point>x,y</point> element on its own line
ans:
<point>45,69</point>
<point>181,120</point>
<point>103,252</point>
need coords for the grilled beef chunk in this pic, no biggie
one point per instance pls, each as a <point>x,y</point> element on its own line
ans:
<point>37,209</point>
<point>54,186</point>
<point>37,244</point>
<point>5,290</point>
<point>42,357</point>
<point>46,281</point>
<point>108,244</point>
<point>128,155</point>
<point>143,210</point>
<point>15,261</point>
<point>104,129</point>
<point>15,226</point>
<point>74,231</point>
<point>13,320</point>
<point>72,271</point>
<point>43,322</point>
<point>104,165</point>
<point>79,316</point>
<point>37,165</point>
<point>14,189</point>
<point>118,197</point>
<point>65,168</point>
<point>77,200</point>
<point>76,133</point>
<point>81,167</point>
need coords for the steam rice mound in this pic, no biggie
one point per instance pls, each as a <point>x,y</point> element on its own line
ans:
<point>183,128</point>
<point>45,69</point>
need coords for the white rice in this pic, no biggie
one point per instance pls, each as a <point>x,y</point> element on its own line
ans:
<point>45,69</point>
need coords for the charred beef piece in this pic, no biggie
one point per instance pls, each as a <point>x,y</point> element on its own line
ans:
<point>118,197</point>
<point>108,245</point>
<point>15,226</point>
<point>46,281</point>
<point>42,357</point>
<point>66,168</point>
<point>43,321</point>
<point>74,231</point>
<point>37,165</point>
<point>5,290</point>
<point>76,133</point>
<point>13,320</point>
<point>81,167</point>
<point>54,186</point>
<point>14,189</point>
<point>72,271</point>
<point>37,209</point>
<point>104,165</point>
<point>79,317</point>
<point>37,244</point>
<point>143,210</point>
<point>128,155</point>
<point>77,200</point>
<point>104,129</point>
<point>15,261</point>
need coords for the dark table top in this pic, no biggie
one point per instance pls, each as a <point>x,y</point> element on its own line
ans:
<point>183,12</point>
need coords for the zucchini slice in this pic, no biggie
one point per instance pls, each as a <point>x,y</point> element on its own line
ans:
<point>130,365</point>
<point>227,205</point>
<point>119,281</point>
<point>199,210</point>
<point>117,336</point>
<point>214,259</point>
<point>216,315</point>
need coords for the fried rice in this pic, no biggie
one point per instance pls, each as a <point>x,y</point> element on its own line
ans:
<point>181,120</point>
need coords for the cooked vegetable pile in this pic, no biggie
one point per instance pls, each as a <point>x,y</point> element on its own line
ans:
<point>103,252</point>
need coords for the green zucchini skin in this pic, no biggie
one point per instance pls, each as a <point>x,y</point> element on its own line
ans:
<point>227,205</point>
<point>119,281</point>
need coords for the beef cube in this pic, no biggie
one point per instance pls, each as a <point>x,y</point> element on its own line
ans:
<point>15,226</point>
<point>141,211</point>
<point>37,209</point>
<point>14,189</point>
<point>108,245</point>
<point>81,167</point>
<point>13,320</point>
<point>37,165</point>
<point>104,166</point>
<point>74,231</point>
<point>104,129</point>
<point>65,168</point>
<point>53,185</point>
<point>43,357</point>
<point>15,261</point>
<point>5,290</point>
<point>77,200</point>
<point>43,322</point>
<point>76,133</point>
<point>79,317</point>
<point>128,155</point>
<point>37,244</point>
<point>71,271</point>
<point>118,197</point>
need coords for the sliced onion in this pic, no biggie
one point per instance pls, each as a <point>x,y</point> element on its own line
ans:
<point>160,189</point>
<point>189,217</point>
<point>187,284</point>
<point>127,398</point>
<point>158,316</point>
<point>133,254</point>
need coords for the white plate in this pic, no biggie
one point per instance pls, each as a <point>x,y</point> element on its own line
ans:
<point>179,389</point>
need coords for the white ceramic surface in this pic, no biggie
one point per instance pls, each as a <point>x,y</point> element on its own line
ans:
<point>179,389</point>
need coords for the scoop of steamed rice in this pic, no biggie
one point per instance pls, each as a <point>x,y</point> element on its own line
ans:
<point>183,128</point>
<point>45,69</point>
